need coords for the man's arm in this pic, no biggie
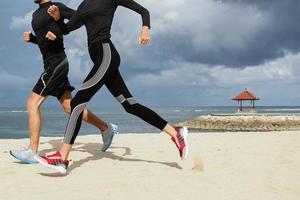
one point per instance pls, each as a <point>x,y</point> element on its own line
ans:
<point>55,29</point>
<point>50,36</point>
<point>29,37</point>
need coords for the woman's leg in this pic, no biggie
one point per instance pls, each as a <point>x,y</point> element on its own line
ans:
<point>105,64</point>
<point>118,88</point>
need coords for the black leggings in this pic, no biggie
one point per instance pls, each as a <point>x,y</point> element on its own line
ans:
<point>105,71</point>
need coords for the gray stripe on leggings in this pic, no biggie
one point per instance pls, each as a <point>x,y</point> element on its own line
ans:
<point>131,101</point>
<point>121,98</point>
<point>73,121</point>
<point>88,84</point>
<point>101,70</point>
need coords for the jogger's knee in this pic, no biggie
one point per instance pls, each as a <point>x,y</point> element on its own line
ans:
<point>32,105</point>
<point>129,104</point>
<point>67,108</point>
<point>130,108</point>
<point>78,105</point>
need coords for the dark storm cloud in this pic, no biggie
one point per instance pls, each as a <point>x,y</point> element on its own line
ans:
<point>280,33</point>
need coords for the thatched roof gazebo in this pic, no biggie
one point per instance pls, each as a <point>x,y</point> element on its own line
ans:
<point>245,96</point>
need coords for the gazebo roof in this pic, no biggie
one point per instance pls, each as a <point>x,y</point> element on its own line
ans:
<point>245,95</point>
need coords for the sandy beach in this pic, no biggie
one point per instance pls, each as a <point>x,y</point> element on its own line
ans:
<point>229,166</point>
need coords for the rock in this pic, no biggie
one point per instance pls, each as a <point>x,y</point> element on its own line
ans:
<point>244,123</point>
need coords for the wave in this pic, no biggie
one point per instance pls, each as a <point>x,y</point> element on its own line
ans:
<point>188,110</point>
<point>282,109</point>
<point>14,111</point>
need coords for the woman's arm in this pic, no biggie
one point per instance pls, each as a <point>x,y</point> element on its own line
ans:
<point>132,5</point>
<point>74,23</point>
<point>65,11</point>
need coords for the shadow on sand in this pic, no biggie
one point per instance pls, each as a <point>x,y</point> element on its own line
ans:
<point>95,154</point>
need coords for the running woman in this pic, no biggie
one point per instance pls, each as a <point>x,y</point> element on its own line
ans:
<point>97,16</point>
<point>54,80</point>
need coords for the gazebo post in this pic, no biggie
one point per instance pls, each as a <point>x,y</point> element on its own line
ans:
<point>241,107</point>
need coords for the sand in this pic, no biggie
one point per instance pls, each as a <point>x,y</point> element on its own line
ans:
<point>229,166</point>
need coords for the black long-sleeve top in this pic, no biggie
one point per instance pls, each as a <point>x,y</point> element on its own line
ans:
<point>97,16</point>
<point>42,22</point>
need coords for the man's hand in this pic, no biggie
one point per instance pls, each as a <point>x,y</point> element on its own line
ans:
<point>144,37</point>
<point>50,36</point>
<point>54,12</point>
<point>26,36</point>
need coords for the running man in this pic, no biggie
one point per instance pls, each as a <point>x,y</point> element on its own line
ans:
<point>97,16</point>
<point>54,80</point>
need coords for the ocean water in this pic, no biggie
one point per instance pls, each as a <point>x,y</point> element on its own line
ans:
<point>14,124</point>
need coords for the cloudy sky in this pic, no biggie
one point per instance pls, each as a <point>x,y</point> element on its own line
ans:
<point>203,52</point>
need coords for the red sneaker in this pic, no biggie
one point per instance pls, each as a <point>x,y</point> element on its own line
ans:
<point>53,161</point>
<point>181,141</point>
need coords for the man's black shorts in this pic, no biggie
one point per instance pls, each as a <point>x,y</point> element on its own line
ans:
<point>54,80</point>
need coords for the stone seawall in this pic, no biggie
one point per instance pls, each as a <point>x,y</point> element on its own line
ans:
<point>243,123</point>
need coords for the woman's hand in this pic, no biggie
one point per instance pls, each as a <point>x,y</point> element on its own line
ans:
<point>144,37</point>
<point>54,12</point>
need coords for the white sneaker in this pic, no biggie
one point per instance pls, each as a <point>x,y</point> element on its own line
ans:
<point>108,135</point>
<point>25,155</point>
<point>180,141</point>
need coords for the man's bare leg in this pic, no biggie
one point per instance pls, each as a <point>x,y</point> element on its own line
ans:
<point>34,119</point>
<point>88,116</point>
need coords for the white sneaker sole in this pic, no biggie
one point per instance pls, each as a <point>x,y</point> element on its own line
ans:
<point>22,159</point>
<point>184,133</point>
<point>42,161</point>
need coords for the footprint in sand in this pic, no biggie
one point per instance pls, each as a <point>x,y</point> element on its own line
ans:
<point>198,164</point>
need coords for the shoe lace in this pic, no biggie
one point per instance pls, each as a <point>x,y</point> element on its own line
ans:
<point>24,147</point>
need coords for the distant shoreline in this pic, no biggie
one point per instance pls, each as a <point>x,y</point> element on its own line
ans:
<point>13,121</point>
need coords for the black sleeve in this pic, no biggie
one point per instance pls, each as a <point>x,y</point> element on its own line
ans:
<point>33,39</point>
<point>65,11</point>
<point>55,30</point>
<point>132,5</point>
<point>74,23</point>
